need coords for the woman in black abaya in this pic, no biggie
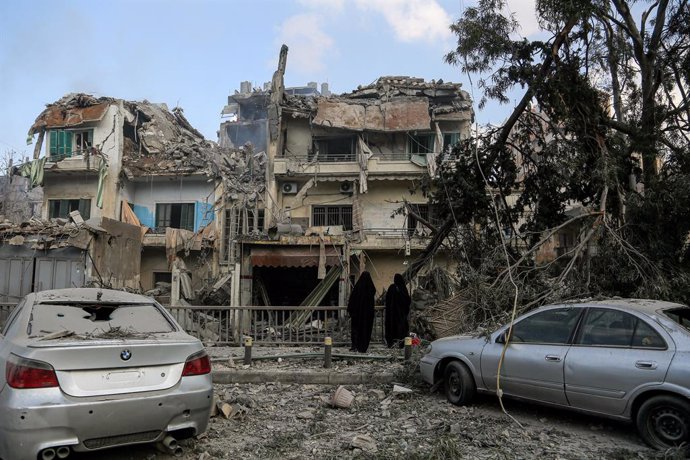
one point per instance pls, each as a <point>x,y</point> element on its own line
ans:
<point>397,310</point>
<point>361,310</point>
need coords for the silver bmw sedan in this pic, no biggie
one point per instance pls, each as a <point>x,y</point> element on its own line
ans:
<point>88,369</point>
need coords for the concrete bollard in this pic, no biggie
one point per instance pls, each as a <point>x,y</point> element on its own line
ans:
<point>408,348</point>
<point>248,350</point>
<point>328,349</point>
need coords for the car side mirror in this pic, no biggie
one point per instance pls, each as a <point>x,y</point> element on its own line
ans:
<point>501,337</point>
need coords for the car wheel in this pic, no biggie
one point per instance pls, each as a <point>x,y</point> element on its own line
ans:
<point>459,383</point>
<point>664,421</point>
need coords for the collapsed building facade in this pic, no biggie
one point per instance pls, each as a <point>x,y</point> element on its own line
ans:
<point>304,191</point>
<point>340,170</point>
<point>130,194</point>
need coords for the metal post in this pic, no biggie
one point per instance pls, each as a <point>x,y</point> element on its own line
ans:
<point>408,348</point>
<point>248,350</point>
<point>328,348</point>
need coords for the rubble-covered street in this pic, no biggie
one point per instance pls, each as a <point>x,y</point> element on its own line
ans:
<point>281,420</point>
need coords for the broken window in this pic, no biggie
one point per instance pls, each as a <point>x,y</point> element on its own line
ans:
<point>175,215</point>
<point>332,215</point>
<point>335,148</point>
<point>65,143</point>
<point>449,140</point>
<point>97,320</point>
<point>680,316</point>
<point>421,144</point>
<point>413,225</point>
<point>62,208</point>
<point>82,140</point>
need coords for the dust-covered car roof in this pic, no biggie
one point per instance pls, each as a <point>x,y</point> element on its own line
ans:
<point>647,306</point>
<point>95,295</point>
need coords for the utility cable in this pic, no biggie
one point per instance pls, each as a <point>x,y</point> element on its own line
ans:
<point>499,390</point>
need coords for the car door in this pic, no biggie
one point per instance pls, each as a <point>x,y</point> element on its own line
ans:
<point>533,364</point>
<point>615,353</point>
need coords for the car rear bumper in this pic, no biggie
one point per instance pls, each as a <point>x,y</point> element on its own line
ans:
<point>427,365</point>
<point>33,420</point>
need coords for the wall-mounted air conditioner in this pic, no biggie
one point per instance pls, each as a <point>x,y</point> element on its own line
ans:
<point>289,188</point>
<point>346,187</point>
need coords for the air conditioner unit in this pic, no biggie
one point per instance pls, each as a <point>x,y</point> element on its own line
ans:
<point>289,188</point>
<point>346,187</point>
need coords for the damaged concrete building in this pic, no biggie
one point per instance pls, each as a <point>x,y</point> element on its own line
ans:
<point>339,173</point>
<point>130,195</point>
<point>305,190</point>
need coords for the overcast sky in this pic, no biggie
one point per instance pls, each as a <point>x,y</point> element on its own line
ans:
<point>194,53</point>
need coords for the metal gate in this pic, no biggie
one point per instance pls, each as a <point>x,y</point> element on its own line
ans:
<point>23,270</point>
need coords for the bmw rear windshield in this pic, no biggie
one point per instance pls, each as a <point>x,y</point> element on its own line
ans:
<point>96,321</point>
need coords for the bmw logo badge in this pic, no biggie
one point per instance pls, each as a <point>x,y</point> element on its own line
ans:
<point>125,355</point>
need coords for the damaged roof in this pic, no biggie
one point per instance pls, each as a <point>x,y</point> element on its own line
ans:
<point>71,111</point>
<point>389,104</point>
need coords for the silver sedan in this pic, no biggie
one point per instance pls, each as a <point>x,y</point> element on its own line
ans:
<point>88,369</point>
<point>623,359</point>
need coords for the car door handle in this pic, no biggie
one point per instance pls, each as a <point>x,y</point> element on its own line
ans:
<point>645,365</point>
<point>553,358</point>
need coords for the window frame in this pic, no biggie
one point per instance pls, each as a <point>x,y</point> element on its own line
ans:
<point>84,207</point>
<point>332,211</point>
<point>170,205</point>
<point>638,319</point>
<point>412,141</point>
<point>62,142</point>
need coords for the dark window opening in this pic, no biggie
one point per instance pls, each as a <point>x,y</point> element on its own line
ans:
<point>335,149</point>
<point>162,277</point>
<point>449,140</point>
<point>421,144</point>
<point>82,141</point>
<point>332,215</point>
<point>175,215</point>
<point>62,208</point>
<point>413,224</point>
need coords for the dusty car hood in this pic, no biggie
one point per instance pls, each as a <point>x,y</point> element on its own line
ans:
<point>457,344</point>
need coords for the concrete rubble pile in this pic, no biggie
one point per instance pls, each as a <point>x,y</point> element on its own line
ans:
<point>386,93</point>
<point>40,233</point>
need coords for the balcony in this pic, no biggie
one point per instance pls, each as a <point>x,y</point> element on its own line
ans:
<point>405,165</point>
<point>72,162</point>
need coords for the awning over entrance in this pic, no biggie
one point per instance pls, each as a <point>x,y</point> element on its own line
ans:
<point>303,256</point>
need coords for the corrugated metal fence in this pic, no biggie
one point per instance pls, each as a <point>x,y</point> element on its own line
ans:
<point>279,325</point>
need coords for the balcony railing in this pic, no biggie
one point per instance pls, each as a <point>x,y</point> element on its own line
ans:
<point>350,157</point>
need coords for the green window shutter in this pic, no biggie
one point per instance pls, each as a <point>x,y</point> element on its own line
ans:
<point>68,143</point>
<point>60,142</point>
<point>53,142</point>
<point>85,208</point>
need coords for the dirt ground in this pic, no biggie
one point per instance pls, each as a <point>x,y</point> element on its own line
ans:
<point>294,421</point>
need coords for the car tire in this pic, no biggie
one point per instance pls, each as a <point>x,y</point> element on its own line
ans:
<point>459,383</point>
<point>664,422</point>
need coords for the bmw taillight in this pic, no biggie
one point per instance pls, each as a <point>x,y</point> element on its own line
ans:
<point>197,364</point>
<point>28,373</point>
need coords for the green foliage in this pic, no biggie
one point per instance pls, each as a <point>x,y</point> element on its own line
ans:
<point>606,100</point>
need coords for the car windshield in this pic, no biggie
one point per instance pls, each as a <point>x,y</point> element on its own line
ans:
<point>87,321</point>
<point>680,316</point>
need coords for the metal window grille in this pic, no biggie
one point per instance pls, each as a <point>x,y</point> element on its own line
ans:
<point>332,215</point>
